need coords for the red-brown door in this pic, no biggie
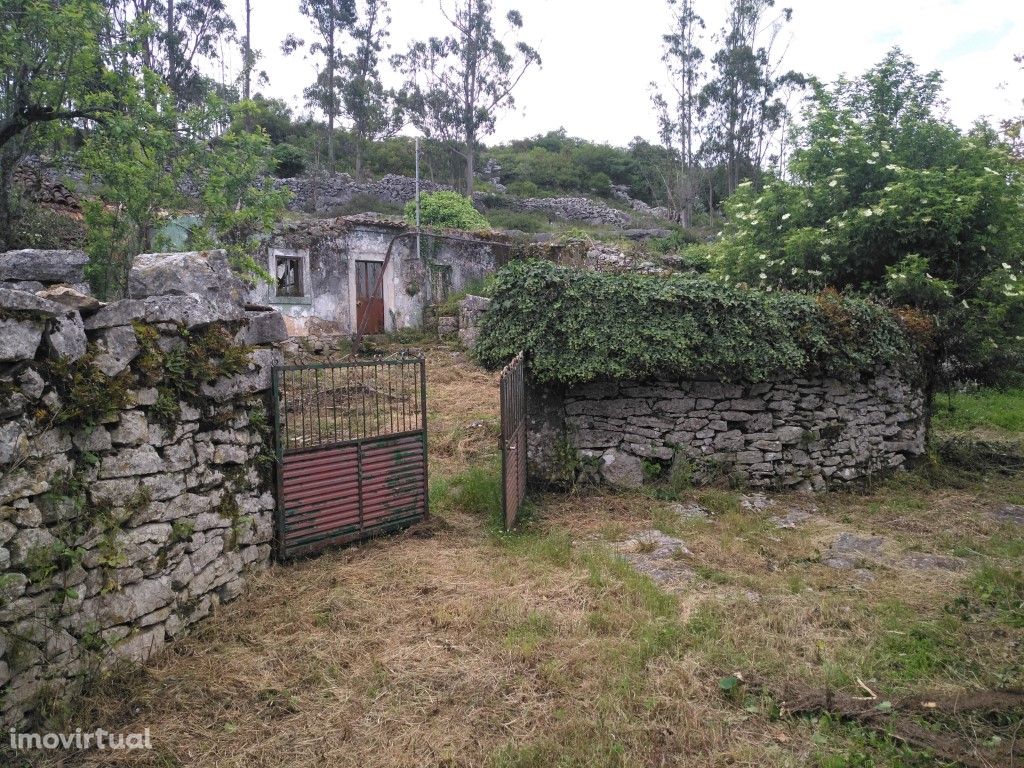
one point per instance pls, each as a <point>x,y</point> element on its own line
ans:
<point>369,297</point>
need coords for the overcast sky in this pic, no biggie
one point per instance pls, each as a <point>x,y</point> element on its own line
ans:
<point>600,55</point>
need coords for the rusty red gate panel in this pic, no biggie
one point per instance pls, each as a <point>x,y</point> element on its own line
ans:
<point>513,439</point>
<point>351,451</point>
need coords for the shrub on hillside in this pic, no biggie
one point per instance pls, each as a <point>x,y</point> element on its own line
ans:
<point>446,210</point>
<point>289,161</point>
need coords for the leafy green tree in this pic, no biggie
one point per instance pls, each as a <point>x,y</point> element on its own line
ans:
<point>743,99</point>
<point>240,203</point>
<point>331,19</point>
<point>890,198</point>
<point>55,68</point>
<point>374,110</point>
<point>678,120</point>
<point>171,38</point>
<point>457,85</point>
<point>127,164</point>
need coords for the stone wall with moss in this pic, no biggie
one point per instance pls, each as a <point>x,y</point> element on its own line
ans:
<point>135,468</point>
<point>793,433</point>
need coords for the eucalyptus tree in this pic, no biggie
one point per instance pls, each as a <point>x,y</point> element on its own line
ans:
<point>373,109</point>
<point>172,38</point>
<point>457,85</point>
<point>331,19</point>
<point>744,96</point>
<point>678,118</point>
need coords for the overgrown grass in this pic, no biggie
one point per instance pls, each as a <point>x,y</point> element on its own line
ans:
<point>1002,411</point>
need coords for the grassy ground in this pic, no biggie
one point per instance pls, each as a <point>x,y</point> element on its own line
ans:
<point>998,412</point>
<point>457,645</point>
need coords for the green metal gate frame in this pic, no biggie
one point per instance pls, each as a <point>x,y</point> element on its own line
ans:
<point>348,478</point>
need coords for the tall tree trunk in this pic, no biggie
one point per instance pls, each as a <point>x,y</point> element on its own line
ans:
<point>470,149</point>
<point>359,158</point>
<point>331,105</point>
<point>7,162</point>
<point>172,50</point>
<point>247,59</point>
<point>247,51</point>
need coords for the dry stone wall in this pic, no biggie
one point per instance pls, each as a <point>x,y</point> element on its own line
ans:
<point>805,434</point>
<point>134,458</point>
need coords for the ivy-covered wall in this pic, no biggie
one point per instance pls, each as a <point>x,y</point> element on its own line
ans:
<point>135,454</point>
<point>635,378</point>
<point>580,325</point>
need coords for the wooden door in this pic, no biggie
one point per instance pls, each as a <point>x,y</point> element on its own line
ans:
<point>369,297</point>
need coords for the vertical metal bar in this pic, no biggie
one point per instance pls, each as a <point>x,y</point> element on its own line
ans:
<point>362,397</point>
<point>423,424</point>
<point>334,403</point>
<point>391,400</point>
<point>359,483</point>
<point>503,407</point>
<point>280,534</point>
<point>316,406</point>
<point>347,399</point>
<point>302,408</point>
<point>376,398</point>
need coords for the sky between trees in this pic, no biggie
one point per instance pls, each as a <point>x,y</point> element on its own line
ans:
<point>599,59</point>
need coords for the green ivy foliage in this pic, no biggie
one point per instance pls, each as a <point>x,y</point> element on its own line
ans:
<point>446,210</point>
<point>579,326</point>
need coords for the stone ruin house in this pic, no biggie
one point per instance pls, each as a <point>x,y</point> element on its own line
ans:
<point>326,271</point>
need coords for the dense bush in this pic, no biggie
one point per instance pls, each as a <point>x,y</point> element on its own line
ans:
<point>289,161</point>
<point>578,326</point>
<point>889,198</point>
<point>446,210</point>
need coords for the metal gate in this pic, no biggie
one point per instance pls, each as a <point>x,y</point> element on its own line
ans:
<point>351,444</point>
<point>513,439</point>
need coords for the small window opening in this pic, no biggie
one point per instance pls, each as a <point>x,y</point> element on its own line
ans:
<point>289,276</point>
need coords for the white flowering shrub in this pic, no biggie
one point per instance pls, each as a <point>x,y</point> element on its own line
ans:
<point>887,198</point>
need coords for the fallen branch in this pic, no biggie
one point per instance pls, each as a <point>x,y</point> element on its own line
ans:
<point>798,699</point>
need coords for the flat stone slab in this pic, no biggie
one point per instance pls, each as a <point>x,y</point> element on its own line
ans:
<point>853,544</point>
<point>850,551</point>
<point>921,561</point>
<point>756,502</point>
<point>656,555</point>
<point>690,511</point>
<point>792,519</point>
<point>1011,513</point>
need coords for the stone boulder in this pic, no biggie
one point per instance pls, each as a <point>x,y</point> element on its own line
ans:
<point>262,327</point>
<point>24,303</point>
<point>471,311</point>
<point>189,310</point>
<point>622,469</point>
<point>200,273</point>
<point>71,298</point>
<point>46,267</point>
<point>65,337</point>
